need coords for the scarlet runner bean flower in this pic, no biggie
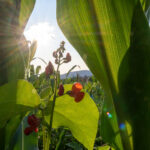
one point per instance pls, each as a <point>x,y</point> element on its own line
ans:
<point>77,87</point>
<point>61,90</point>
<point>33,122</point>
<point>68,58</point>
<point>28,130</point>
<point>76,92</point>
<point>49,69</point>
<point>79,96</point>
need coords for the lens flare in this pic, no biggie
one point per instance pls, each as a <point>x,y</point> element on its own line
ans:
<point>109,115</point>
<point>122,126</point>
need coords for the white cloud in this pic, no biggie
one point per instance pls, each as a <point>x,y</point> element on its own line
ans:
<point>43,33</point>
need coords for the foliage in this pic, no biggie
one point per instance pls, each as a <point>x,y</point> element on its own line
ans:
<point>83,124</point>
<point>52,110</point>
<point>113,39</point>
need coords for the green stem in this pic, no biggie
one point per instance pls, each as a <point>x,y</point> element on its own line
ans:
<point>22,146</point>
<point>60,139</point>
<point>53,104</point>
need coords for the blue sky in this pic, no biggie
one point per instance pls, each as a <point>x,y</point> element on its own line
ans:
<point>42,26</point>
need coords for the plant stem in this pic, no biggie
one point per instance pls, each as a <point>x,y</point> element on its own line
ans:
<point>60,139</point>
<point>53,104</point>
<point>51,115</point>
<point>22,137</point>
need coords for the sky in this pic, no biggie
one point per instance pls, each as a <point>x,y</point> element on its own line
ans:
<point>42,26</point>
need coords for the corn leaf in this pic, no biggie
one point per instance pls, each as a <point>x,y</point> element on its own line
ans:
<point>113,39</point>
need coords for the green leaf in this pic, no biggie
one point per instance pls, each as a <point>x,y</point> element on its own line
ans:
<point>101,41</point>
<point>134,82</point>
<point>10,130</point>
<point>13,43</point>
<point>21,141</point>
<point>32,50</point>
<point>17,97</point>
<point>81,118</point>
<point>45,92</point>
<point>104,148</point>
<point>25,11</point>
<point>113,39</point>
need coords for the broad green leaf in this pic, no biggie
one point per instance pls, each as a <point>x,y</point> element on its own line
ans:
<point>11,129</point>
<point>25,11</point>
<point>145,4</point>
<point>45,92</point>
<point>146,8</point>
<point>17,97</point>
<point>92,29</point>
<point>134,82</point>
<point>104,148</point>
<point>100,31</point>
<point>113,39</point>
<point>74,145</point>
<point>81,118</point>
<point>21,141</point>
<point>13,44</point>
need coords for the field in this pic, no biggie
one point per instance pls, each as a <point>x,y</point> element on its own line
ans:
<point>109,110</point>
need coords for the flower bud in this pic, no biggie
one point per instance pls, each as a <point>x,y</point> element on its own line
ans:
<point>33,121</point>
<point>56,61</point>
<point>55,54</point>
<point>61,90</point>
<point>62,43</point>
<point>49,69</point>
<point>60,54</point>
<point>68,58</point>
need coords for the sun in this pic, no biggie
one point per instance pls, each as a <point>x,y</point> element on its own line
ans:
<point>43,33</point>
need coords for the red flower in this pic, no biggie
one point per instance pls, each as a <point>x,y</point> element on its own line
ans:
<point>36,130</point>
<point>77,87</point>
<point>49,69</point>
<point>28,130</point>
<point>79,96</point>
<point>33,122</point>
<point>68,58</point>
<point>61,90</point>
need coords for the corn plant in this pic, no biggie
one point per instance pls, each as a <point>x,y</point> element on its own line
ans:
<point>113,39</point>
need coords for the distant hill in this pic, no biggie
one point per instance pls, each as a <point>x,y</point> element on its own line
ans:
<point>81,73</point>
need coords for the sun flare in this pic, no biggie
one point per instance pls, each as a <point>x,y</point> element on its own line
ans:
<point>43,33</point>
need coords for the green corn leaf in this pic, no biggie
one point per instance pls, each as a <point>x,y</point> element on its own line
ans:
<point>113,39</point>
<point>26,8</point>
<point>91,28</point>
<point>13,45</point>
